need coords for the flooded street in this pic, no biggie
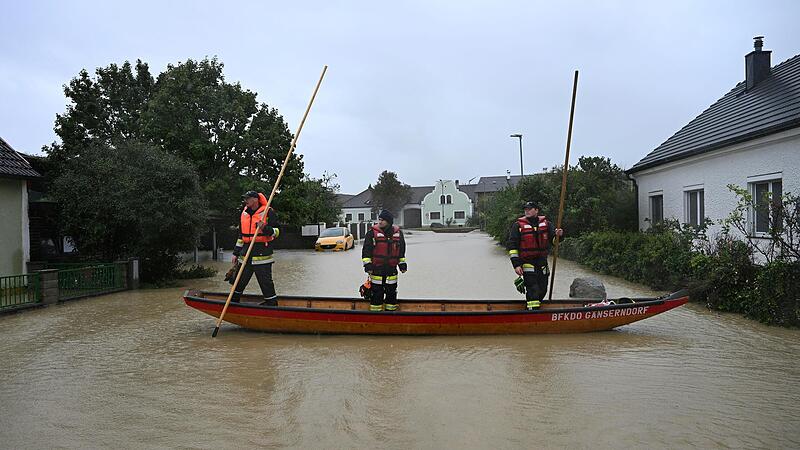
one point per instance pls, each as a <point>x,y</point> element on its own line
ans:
<point>139,369</point>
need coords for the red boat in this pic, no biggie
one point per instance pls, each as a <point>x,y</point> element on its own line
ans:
<point>332,315</point>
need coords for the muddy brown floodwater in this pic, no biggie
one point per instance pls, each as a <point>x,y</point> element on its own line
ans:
<point>139,369</point>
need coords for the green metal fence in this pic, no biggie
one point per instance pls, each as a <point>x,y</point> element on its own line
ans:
<point>90,280</point>
<point>18,290</point>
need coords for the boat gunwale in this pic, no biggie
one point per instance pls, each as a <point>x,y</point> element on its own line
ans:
<point>655,301</point>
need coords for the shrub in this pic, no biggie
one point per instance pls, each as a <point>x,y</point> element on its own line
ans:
<point>775,297</point>
<point>718,273</point>
<point>131,199</point>
<point>196,271</point>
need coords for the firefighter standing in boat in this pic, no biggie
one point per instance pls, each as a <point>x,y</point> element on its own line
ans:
<point>528,246</point>
<point>384,251</point>
<point>260,262</point>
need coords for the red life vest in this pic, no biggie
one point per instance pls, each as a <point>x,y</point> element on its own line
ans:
<point>249,223</point>
<point>533,237</point>
<point>387,248</point>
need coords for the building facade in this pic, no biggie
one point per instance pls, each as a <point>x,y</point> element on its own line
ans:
<point>446,199</point>
<point>750,138</point>
<point>15,172</point>
<point>446,204</point>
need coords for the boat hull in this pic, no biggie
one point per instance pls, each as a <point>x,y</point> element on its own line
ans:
<point>335,319</point>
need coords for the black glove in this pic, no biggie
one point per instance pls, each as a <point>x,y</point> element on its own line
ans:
<point>368,267</point>
<point>402,266</point>
<point>230,276</point>
<point>267,231</point>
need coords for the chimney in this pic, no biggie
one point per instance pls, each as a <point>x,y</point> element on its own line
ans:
<point>456,183</point>
<point>757,64</point>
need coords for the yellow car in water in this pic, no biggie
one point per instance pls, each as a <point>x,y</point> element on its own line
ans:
<point>335,238</point>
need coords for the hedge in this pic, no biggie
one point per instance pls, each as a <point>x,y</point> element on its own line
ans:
<point>721,275</point>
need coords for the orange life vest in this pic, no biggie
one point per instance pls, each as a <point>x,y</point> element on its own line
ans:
<point>387,248</point>
<point>249,223</point>
<point>533,237</point>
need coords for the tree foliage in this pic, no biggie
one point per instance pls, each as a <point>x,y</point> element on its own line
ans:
<point>389,193</point>
<point>313,200</point>
<point>102,109</point>
<point>189,111</point>
<point>782,214</point>
<point>599,196</point>
<point>165,152</point>
<point>147,206</point>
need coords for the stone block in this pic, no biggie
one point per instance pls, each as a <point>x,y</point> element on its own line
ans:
<point>587,288</point>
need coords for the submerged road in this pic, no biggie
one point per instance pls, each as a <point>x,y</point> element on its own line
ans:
<point>138,369</point>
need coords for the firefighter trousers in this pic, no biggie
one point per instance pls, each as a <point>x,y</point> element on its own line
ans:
<point>536,280</point>
<point>263,274</point>
<point>384,293</point>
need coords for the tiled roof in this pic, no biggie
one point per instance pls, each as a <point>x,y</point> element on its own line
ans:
<point>494,184</point>
<point>468,189</point>
<point>13,165</point>
<point>360,200</point>
<point>363,198</point>
<point>418,193</point>
<point>771,106</point>
<point>341,199</point>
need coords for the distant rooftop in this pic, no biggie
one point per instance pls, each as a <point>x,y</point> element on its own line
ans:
<point>485,185</point>
<point>13,165</point>
<point>494,184</point>
<point>769,106</point>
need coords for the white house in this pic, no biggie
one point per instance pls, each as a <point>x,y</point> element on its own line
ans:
<point>359,208</point>
<point>750,137</point>
<point>15,172</point>
<point>446,204</point>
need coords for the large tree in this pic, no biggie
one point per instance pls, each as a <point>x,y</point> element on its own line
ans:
<point>233,142</point>
<point>220,127</point>
<point>389,193</point>
<point>147,207</point>
<point>312,201</point>
<point>102,109</point>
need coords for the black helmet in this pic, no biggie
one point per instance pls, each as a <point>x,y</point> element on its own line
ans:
<point>250,194</point>
<point>386,215</point>
<point>529,205</point>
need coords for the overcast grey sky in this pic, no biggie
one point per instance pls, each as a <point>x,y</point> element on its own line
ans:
<point>428,89</point>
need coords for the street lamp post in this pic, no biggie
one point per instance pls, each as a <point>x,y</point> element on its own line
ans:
<point>521,172</point>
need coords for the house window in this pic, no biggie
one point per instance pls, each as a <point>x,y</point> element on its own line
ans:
<point>360,217</point>
<point>441,199</point>
<point>449,199</point>
<point>459,215</point>
<point>436,216</point>
<point>348,217</point>
<point>656,209</point>
<point>373,215</point>
<point>763,193</point>
<point>695,207</point>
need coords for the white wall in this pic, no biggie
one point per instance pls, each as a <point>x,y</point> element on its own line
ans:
<point>775,156</point>
<point>460,202</point>
<point>13,226</point>
<point>26,237</point>
<point>355,212</point>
